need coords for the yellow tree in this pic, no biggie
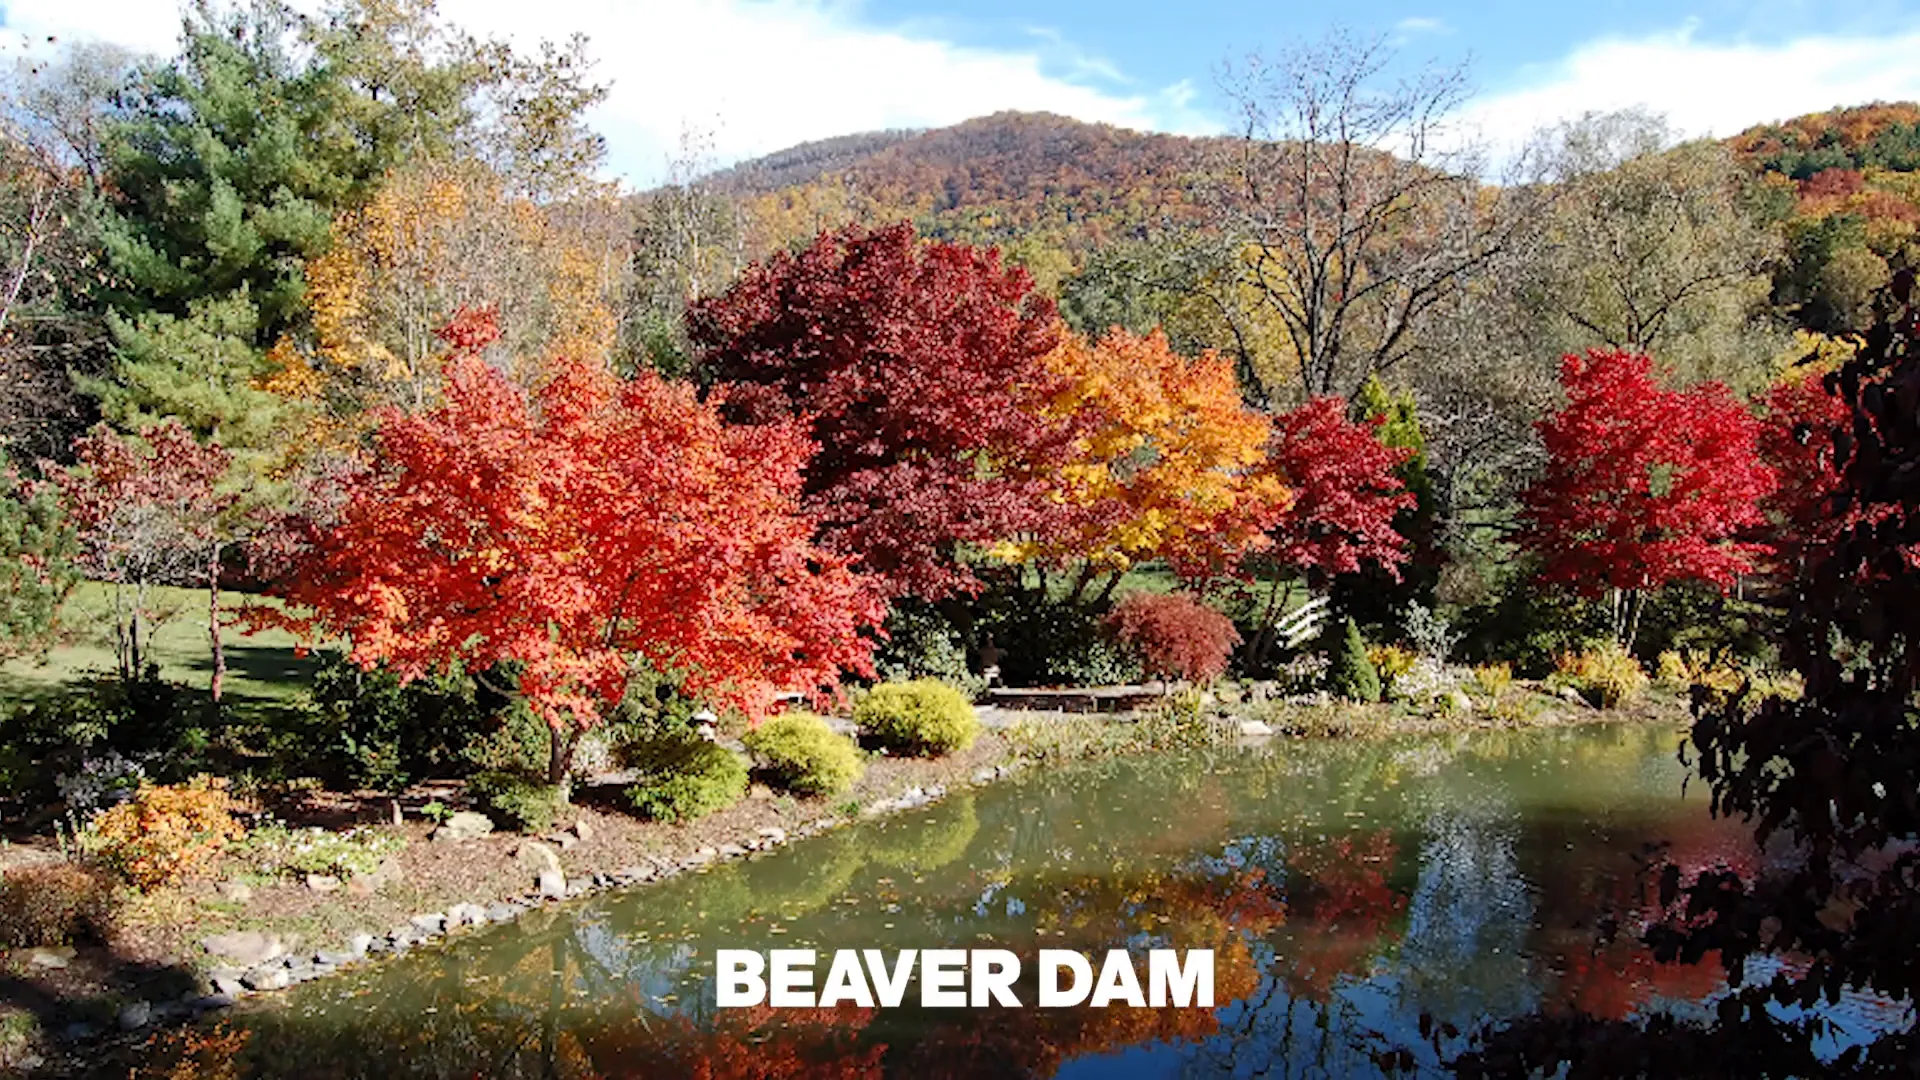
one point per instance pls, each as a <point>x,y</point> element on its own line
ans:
<point>433,240</point>
<point>1167,464</point>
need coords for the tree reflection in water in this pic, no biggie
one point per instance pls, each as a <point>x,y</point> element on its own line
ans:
<point>1370,906</point>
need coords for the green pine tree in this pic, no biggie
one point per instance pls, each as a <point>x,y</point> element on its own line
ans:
<point>1350,672</point>
<point>37,553</point>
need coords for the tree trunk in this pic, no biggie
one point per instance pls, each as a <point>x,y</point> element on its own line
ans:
<point>213,626</point>
<point>560,759</point>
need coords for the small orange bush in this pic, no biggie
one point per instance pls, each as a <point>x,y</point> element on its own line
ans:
<point>167,834</point>
<point>54,904</point>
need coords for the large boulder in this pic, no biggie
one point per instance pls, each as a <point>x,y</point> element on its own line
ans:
<point>536,857</point>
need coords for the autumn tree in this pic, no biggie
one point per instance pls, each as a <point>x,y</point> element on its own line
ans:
<point>1653,248</point>
<point>1644,485</point>
<point>432,240</point>
<point>146,510</point>
<point>1355,207</point>
<point>1346,495</point>
<point>1166,462</point>
<point>913,366</point>
<point>571,529</point>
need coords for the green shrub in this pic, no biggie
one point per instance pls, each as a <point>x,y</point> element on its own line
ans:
<point>58,903</point>
<point>683,777</point>
<point>1350,674</point>
<point>526,803</point>
<point>803,755</point>
<point>160,723</point>
<point>1043,643</point>
<point>922,644</point>
<point>924,717</point>
<point>517,742</point>
<point>377,734</point>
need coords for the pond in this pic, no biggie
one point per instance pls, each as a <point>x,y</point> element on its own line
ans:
<point>1347,890</point>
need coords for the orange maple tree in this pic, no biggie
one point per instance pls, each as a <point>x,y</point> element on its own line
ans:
<point>574,527</point>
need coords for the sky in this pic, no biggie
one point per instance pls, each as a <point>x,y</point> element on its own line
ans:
<point>740,78</point>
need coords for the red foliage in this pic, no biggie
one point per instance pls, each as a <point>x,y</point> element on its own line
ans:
<point>1345,492</point>
<point>1176,636</point>
<point>138,503</point>
<point>1797,441</point>
<point>911,365</point>
<point>571,528</point>
<point>1644,485</point>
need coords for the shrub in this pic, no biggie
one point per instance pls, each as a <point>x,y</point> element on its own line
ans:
<point>158,723</point>
<point>57,903</point>
<point>273,848</point>
<point>803,755</point>
<point>164,835</point>
<point>518,742</point>
<point>1607,675</point>
<point>1048,644</point>
<point>1175,635</point>
<point>922,644</point>
<point>378,734</point>
<point>924,717</point>
<point>683,777</point>
<point>1391,661</point>
<point>1431,635</point>
<point>1425,682</point>
<point>523,801</point>
<point>1350,674</point>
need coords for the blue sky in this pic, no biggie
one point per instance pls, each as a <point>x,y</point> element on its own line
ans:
<point>744,77</point>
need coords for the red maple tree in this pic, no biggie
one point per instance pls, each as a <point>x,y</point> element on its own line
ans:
<point>1345,493</point>
<point>570,529</point>
<point>1797,441</point>
<point>1644,485</point>
<point>913,366</point>
<point>1177,636</point>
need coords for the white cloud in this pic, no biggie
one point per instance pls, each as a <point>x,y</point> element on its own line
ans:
<point>1703,88</point>
<point>1421,24</point>
<point>759,75</point>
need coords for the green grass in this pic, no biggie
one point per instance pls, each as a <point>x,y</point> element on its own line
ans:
<point>261,668</point>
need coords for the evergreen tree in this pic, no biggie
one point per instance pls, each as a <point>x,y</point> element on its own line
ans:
<point>1350,672</point>
<point>37,552</point>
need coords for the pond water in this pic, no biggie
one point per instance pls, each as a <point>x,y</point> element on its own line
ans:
<point>1346,890</point>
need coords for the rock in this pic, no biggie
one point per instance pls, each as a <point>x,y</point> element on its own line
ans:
<point>981,776</point>
<point>328,958</point>
<point>79,1031</point>
<point>136,1016</point>
<point>322,882</point>
<point>732,851</point>
<point>358,944</point>
<point>245,948</point>
<point>267,978</point>
<point>536,856</point>
<point>565,840</point>
<point>583,829</point>
<point>502,913</point>
<point>1459,702</point>
<point>229,982</point>
<point>553,884</point>
<point>431,923</point>
<point>1572,695</point>
<point>465,825</point>
<point>53,959</point>
<point>236,892</point>
<point>210,1002</point>
<point>1255,727</point>
<point>466,914</point>
<point>774,834</point>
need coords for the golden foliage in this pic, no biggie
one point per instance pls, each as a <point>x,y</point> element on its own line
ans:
<point>166,834</point>
<point>1167,463</point>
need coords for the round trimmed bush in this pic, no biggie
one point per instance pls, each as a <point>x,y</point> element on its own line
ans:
<point>683,777</point>
<point>804,756</point>
<point>525,802</point>
<point>924,717</point>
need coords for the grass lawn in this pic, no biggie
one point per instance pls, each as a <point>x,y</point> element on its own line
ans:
<point>262,669</point>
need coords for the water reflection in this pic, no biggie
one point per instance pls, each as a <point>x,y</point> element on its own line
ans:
<point>1352,894</point>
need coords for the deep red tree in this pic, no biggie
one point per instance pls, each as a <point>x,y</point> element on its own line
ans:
<point>1644,485</point>
<point>1176,635</point>
<point>1797,441</point>
<point>914,367</point>
<point>572,529</point>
